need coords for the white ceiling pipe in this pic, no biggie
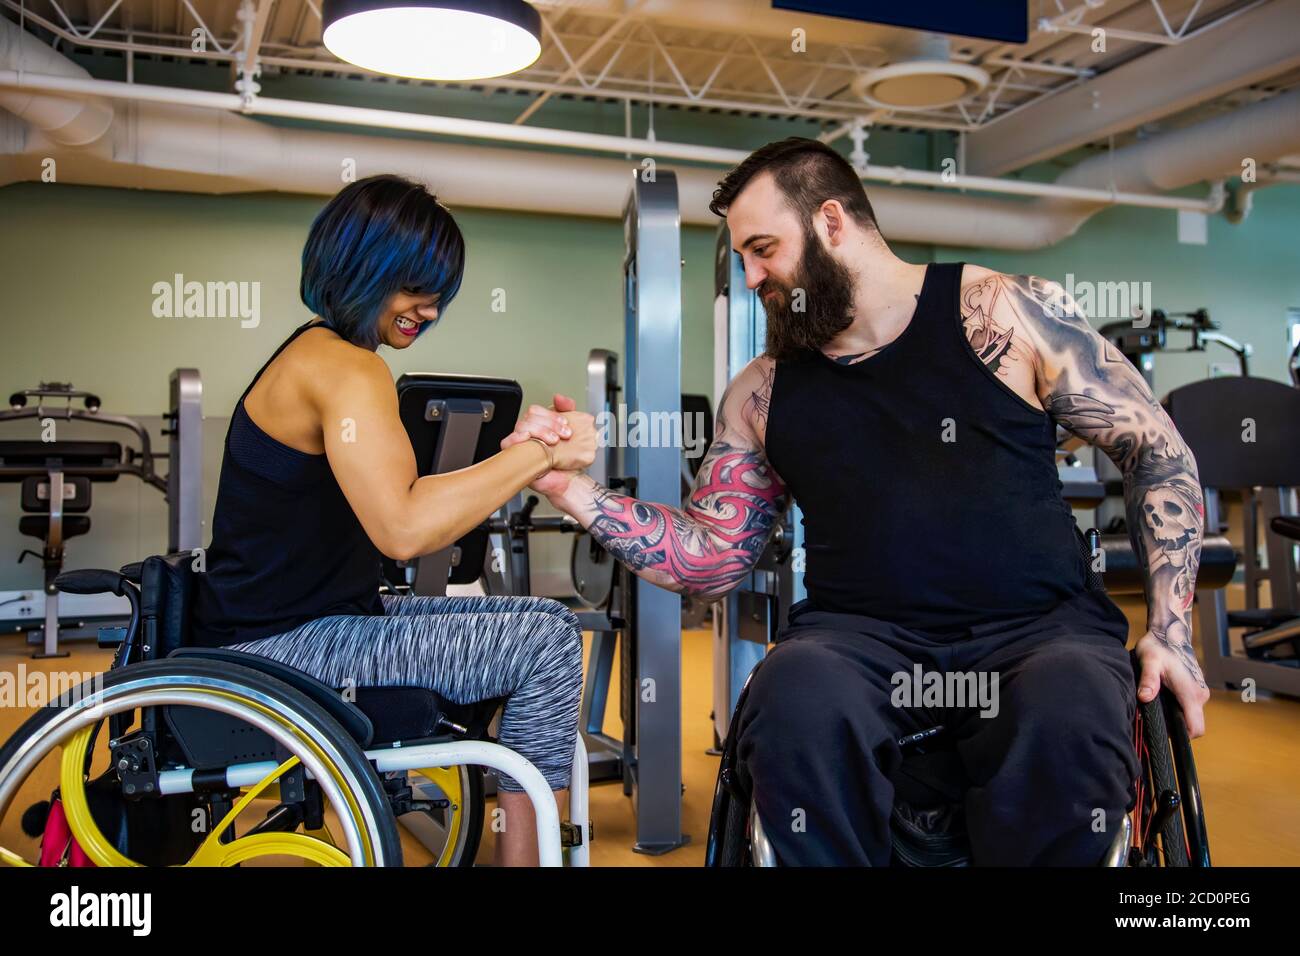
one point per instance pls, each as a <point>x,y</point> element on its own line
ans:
<point>1264,131</point>
<point>506,132</point>
<point>1213,149</point>
<point>167,147</point>
<point>67,121</point>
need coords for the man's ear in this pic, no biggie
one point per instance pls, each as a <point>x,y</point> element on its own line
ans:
<point>832,214</point>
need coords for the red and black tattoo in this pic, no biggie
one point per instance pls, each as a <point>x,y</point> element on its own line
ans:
<point>707,546</point>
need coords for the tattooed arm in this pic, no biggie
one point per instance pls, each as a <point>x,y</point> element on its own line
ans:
<point>710,545</point>
<point>1088,387</point>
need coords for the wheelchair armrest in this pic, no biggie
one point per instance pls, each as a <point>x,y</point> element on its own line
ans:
<point>92,581</point>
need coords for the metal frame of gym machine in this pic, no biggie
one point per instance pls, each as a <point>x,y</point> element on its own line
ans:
<point>649,618</point>
<point>182,486</point>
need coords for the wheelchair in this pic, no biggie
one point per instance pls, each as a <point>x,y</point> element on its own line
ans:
<point>215,757</point>
<point>1166,826</point>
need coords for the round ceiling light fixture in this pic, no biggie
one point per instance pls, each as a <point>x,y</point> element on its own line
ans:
<point>921,76</point>
<point>433,39</point>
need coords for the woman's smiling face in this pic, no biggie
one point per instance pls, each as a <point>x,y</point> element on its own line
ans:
<point>405,317</point>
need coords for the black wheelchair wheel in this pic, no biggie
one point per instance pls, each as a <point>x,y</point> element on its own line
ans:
<point>1189,787</point>
<point>732,847</point>
<point>1161,783</point>
<point>208,685</point>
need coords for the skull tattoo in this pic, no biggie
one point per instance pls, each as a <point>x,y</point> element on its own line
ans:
<point>1172,521</point>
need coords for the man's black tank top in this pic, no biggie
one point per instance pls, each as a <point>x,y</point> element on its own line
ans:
<point>286,546</point>
<point>928,487</point>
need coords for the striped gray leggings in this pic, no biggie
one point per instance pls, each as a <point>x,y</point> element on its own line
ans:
<point>468,649</point>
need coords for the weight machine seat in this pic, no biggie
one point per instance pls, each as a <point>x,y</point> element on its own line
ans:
<point>38,526</point>
<point>1286,525</point>
<point>67,456</point>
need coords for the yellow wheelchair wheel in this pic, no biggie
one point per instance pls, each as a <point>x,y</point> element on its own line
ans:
<point>347,782</point>
<point>449,818</point>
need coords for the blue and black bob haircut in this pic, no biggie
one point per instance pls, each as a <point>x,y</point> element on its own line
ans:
<point>377,237</point>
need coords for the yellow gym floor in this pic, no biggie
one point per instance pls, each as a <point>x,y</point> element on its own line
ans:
<point>1249,764</point>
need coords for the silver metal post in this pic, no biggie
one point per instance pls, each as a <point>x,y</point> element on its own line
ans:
<point>653,314</point>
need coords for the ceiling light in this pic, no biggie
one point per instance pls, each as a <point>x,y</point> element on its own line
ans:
<point>921,75</point>
<point>433,39</point>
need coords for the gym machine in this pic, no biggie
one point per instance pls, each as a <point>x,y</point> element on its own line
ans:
<point>56,473</point>
<point>648,619</point>
<point>602,584</point>
<point>1224,467</point>
<point>643,622</point>
<point>1263,474</point>
<point>1138,344</point>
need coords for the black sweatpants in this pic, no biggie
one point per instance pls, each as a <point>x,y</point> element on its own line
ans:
<point>818,736</point>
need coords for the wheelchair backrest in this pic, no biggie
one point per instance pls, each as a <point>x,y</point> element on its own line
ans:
<point>166,602</point>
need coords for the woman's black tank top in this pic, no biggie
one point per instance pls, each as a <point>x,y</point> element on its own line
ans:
<point>929,489</point>
<point>286,546</point>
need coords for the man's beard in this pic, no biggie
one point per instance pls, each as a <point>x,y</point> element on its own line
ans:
<point>818,306</point>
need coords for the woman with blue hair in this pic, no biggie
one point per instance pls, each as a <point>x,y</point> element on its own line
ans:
<point>319,480</point>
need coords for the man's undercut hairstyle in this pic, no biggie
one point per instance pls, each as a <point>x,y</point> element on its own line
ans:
<point>807,172</point>
<point>377,237</point>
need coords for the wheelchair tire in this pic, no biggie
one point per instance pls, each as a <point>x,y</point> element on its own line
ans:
<point>469,828</point>
<point>1160,778</point>
<point>475,815</point>
<point>137,686</point>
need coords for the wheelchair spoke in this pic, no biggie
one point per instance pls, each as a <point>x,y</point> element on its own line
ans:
<point>251,794</point>
<point>72,789</point>
<point>269,844</point>
<point>448,780</point>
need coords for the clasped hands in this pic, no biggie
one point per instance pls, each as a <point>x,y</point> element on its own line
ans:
<point>570,434</point>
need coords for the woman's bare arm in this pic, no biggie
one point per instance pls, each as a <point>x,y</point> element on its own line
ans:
<point>370,454</point>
